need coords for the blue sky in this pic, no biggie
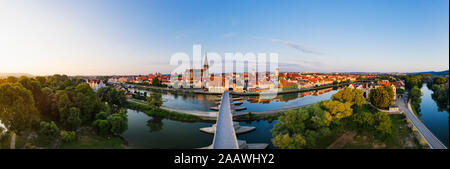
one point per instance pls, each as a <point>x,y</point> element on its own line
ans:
<point>105,37</point>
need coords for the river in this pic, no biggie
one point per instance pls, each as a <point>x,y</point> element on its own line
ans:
<point>435,120</point>
<point>158,133</point>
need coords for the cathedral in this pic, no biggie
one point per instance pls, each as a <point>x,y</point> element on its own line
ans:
<point>198,78</point>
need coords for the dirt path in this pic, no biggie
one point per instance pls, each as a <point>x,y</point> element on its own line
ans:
<point>341,141</point>
<point>57,143</point>
<point>13,141</point>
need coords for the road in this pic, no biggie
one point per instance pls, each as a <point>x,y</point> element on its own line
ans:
<point>432,140</point>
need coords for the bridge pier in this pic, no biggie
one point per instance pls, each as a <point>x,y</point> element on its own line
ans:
<point>225,129</point>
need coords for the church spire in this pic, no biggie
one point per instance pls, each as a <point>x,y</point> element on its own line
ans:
<point>205,63</point>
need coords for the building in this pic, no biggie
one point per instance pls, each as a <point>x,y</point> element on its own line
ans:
<point>288,85</point>
<point>197,78</point>
<point>96,84</point>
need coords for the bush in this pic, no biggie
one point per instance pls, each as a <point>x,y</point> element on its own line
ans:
<point>384,124</point>
<point>49,129</point>
<point>101,126</point>
<point>2,132</point>
<point>118,121</point>
<point>68,136</point>
<point>422,141</point>
<point>101,115</point>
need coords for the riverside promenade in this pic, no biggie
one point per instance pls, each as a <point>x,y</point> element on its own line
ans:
<point>201,91</point>
<point>431,139</point>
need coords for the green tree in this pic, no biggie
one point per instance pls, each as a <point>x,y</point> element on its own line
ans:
<point>412,80</point>
<point>35,87</point>
<point>384,124</point>
<point>112,96</point>
<point>11,79</point>
<point>156,82</point>
<point>414,96</point>
<point>58,82</point>
<point>284,141</point>
<point>68,136</point>
<point>380,97</point>
<point>49,129</point>
<point>101,126</point>
<point>440,80</point>
<point>390,91</point>
<point>73,119</point>
<point>118,121</point>
<point>102,115</point>
<point>17,109</point>
<point>441,97</point>
<point>154,100</point>
<point>63,105</point>
<point>299,128</point>
<point>349,95</point>
<point>2,133</point>
<point>400,91</point>
<point>87,101</point>
<point>364,119</point>
<point>336,110</point>
<point>48,103</point>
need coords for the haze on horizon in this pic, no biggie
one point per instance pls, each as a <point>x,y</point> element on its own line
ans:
<point>112,37</point>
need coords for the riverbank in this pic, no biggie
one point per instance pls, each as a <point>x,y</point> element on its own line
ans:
<point>167,113</point>
<point>201,91</point>
<point>86,139</point>
<point>207,115</point>
<point>348,133</point>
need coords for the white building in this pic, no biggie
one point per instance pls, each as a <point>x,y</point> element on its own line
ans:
<point>96,84</point>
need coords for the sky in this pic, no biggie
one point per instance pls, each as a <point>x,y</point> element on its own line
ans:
<point>111,37</point>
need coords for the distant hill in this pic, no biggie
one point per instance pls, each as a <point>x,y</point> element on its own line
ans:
<point>441,73</point>
<point>5,75</point>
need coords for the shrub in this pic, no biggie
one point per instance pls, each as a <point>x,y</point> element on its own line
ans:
<point>49,129</point>
<point>68,136</point>
<point>101,126</point>
<point>422,141</point>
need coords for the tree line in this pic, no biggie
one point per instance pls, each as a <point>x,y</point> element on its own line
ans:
<point>301,128</point>
<point>58,105</point>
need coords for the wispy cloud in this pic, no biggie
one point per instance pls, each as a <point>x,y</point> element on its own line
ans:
<point>229,35</point>
<point>304,66</point>
<point>296,46</point>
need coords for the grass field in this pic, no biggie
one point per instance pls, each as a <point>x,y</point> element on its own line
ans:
<point>402,137</point>
<point>88,139</point>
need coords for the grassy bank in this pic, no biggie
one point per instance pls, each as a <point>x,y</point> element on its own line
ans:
<point>162,113</point>
<point>402,137</point>
<point>88,139</point>
<point>415,111</point>
<point>349,134</point>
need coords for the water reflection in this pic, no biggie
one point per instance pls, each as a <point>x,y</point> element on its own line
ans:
<point>149,132</point>
<point>434,117</point>
<point>202,102</point>
<point>155,124</point>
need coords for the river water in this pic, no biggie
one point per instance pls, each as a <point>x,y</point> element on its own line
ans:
<point>435,120</point>
<point>149,132</point>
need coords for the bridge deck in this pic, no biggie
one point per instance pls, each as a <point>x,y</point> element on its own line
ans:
<point>225,136</point>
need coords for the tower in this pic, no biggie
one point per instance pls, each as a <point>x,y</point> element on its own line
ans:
<point>204,72</point>
<point>205,63</point>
